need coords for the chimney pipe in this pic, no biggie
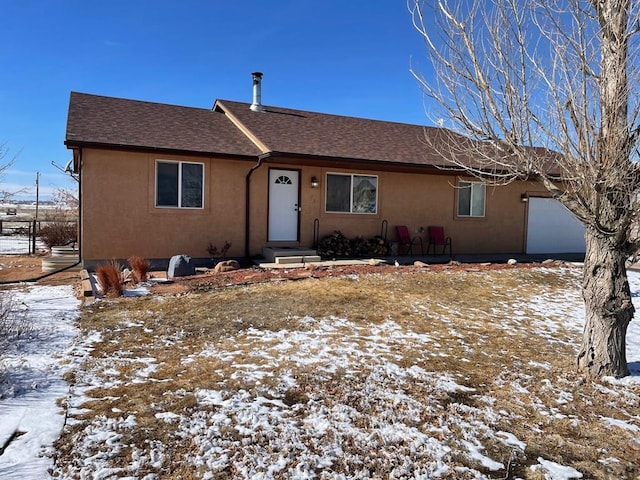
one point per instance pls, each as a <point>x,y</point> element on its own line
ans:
<point>256,106</point>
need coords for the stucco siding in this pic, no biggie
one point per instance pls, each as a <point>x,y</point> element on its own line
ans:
<point>415,200</point>
<point>120,219</point>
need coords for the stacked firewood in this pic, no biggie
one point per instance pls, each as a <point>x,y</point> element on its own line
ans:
<point>334,245</point>
<point>378,246</point>
<point>337,245</point>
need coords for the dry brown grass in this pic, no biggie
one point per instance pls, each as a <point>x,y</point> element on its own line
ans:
<point>480,328</point>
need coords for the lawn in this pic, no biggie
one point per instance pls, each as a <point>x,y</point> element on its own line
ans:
<point>454,374</point>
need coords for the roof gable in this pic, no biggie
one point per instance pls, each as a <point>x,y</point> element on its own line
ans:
<point>117,122</point>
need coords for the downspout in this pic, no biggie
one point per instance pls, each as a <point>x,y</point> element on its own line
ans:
<point>247,218</point>
<point>80,242</point>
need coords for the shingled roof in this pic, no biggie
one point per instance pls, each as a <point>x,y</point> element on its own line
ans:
<point>95,120</point>
<point>233,129</point>
<point>298,132</point>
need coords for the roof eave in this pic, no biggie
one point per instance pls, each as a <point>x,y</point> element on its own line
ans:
<point>364,163</point>
<point>74,144</point>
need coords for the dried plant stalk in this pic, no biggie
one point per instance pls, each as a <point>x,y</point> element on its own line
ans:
<point>140,268</point>
<point>110,278</point>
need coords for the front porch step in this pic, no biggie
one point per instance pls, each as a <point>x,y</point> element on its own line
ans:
<point>271,254</point>
<point>297,259</point>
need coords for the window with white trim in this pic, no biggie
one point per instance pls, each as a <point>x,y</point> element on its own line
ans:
<point>179,184</point>
<point>351,193</point>
<point>471,199</point>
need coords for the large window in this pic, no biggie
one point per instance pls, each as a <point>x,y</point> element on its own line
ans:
<point>351,193</point>
<point>179,184</point>
<point>471,199</point>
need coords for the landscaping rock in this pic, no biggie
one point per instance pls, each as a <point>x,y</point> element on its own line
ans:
<point>181,266</point>
<point>226,266</point>
<point>512,261</point>
<point>418,263</point>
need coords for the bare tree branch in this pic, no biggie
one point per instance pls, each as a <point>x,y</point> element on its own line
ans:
<point>548,89</point>
<point>4,153</point>
<point>501,83</point>
<point>5,164</point>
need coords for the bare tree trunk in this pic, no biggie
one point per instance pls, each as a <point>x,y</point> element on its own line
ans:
<point>608,308</point>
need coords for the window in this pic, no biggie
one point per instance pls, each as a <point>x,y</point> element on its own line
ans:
<point>471,199</point>
<point>179,184</point>
<point>351,193</point>
<point>283,180</point>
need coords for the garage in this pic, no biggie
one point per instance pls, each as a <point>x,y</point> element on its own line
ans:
<point>551,228</point>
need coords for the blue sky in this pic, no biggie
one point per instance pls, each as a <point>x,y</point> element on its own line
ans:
<point>334,56</point>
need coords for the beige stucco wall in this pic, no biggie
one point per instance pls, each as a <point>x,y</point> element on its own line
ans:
<point>119,218</point>
<point>415,200</point>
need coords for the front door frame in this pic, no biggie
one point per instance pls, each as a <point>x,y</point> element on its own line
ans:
<point>298,173</point>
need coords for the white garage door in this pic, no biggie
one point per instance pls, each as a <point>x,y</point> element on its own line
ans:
<point>551,228</point>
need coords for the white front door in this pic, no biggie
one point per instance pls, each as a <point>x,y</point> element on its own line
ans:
<point>283,205</point>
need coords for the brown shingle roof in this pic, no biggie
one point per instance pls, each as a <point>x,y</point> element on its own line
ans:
<point>121,123</point>
<point>108,121</point>
<point>308,133</point>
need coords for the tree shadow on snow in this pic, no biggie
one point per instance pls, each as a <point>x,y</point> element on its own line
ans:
<point>634,369</point>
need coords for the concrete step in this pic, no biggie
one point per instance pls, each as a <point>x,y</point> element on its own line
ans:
<point>297,259</point>
<point>271,253</point>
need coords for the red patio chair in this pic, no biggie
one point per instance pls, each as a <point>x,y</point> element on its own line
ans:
<point>406,241</point>
<point>437,237</point>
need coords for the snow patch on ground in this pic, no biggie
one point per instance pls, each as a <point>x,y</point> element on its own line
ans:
<point>31,382</point>
<point>254,431</point>
<point>19,244</point>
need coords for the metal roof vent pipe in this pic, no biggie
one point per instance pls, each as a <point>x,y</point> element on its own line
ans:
<point>256,106</point>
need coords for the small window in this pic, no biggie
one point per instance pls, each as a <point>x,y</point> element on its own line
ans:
<point>347,193</point>
<point>283,180</point>
<point>471,199</point>
<point>179,184</point>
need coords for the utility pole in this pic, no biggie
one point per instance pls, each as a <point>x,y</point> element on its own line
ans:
<point>35,219</point>
<point>37,193</point>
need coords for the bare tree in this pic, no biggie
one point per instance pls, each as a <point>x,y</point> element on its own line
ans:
<point>4,153</point>
<point>548,89</point>
<point>67,198</point>
<point>5,164</point>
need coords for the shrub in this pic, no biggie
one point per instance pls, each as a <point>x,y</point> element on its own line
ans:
<point>139,268</point>
<point>14,324</point>
<point>110,278</point>
<point>59,232</point>
<point>215,253</point>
